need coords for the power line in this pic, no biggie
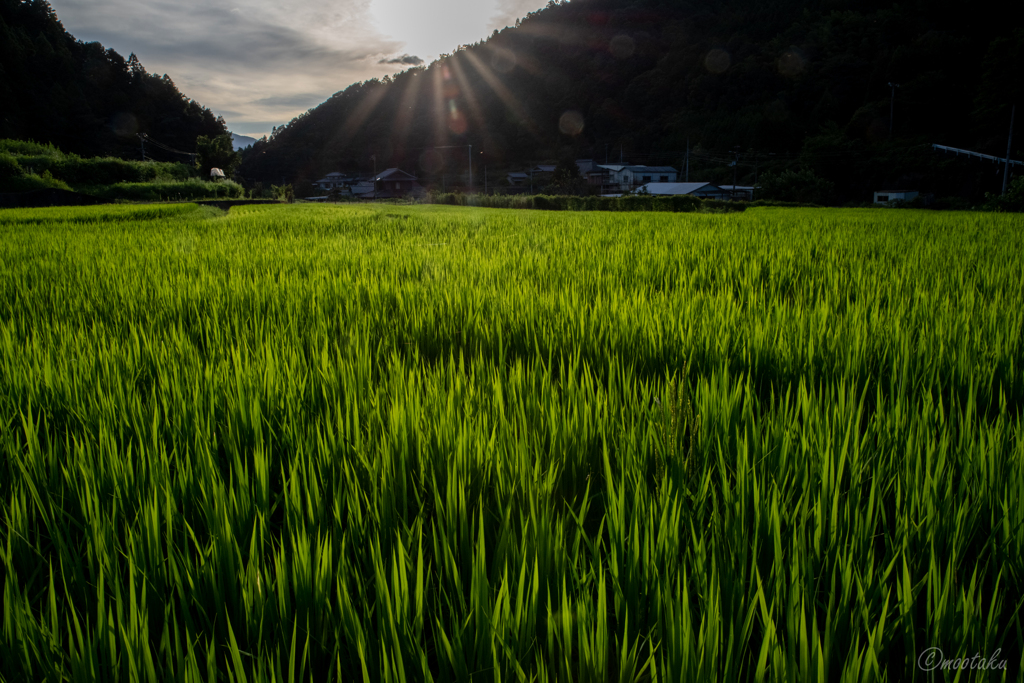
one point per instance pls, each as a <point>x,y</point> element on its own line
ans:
<point>144,138</point>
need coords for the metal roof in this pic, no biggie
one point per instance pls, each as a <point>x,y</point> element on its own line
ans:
<point>394,174</point>
<point>638,168</point>
<point>652,169</point>
<point>682,188</point>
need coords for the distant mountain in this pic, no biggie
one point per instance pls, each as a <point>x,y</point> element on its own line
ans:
<point>790,83</point>
<point>241,141</point>
<point>85,98</point>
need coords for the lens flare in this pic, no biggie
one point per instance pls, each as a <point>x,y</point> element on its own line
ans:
<point>502,60</point>
<point>125,124</point>
<point>622,47</point>
<point>791,63</point>
<point>456,119</point>
<point>717,61</point>
<point>571,123</point>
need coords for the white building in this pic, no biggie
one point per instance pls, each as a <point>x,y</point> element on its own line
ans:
<point>627,177</point>
<point>333,181</point>
<point>886,196</point>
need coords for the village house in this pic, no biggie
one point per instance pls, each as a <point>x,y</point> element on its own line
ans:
<point>625,178</point>
<point>613,178</point>
<point>334,181</point>
<point>390,184</point>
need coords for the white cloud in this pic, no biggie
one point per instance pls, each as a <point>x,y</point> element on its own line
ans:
<point>270,60</point>
<point>507,11</point>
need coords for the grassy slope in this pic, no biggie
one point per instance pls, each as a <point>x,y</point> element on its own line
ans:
<point>448,442</point>
<point>27,166</point>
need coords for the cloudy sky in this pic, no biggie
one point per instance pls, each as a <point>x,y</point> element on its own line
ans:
<point>258,63</point>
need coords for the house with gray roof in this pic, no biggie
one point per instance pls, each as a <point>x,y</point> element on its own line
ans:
<point>628,177</point>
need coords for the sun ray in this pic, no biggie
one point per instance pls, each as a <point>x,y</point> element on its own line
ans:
<point>440,135</point>
<point>366,107</point>
<point>407,110</point>
<point>502,91</point>
<point>474,106</point>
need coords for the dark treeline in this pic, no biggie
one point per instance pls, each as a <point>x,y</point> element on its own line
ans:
<point>84,98</point>
<point>789,83</point>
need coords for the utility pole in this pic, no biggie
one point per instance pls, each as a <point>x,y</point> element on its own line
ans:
<point>1009,141</point>
<point>142,143</point>
<point>374,157</point>
<point>687,158</point>
<point>892,104</point>
<point>754,188</point>
<point>735,171</point>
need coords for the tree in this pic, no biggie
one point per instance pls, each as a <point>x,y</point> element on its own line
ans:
<point>566,179</point>
<point>1013,200</point>
<point>796,186</point>
<point>217,152</point>
<point>85,98</point>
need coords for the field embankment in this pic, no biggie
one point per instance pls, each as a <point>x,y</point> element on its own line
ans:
<point>26,168</point>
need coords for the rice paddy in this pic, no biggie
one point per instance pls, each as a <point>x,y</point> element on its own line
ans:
<point>427,443</point>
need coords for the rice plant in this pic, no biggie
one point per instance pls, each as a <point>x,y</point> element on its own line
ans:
<point>435,443</point>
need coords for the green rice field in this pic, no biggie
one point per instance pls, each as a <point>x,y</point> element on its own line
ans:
<point>426,443</point>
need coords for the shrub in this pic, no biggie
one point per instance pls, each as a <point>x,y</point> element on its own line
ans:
<point>9,167</point>
<point>284,193</point>
<point>169,191</point>
<point>30,182</point>
<point>804,186</point>
<point>1013,200</point>
<point>28,147</point>
<point>683,203</point>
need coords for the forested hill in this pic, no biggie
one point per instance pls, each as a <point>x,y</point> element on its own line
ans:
<point>84,98</point>
<point>804,81</point>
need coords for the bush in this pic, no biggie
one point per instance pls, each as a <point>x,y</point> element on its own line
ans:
<point>683,203</point>
<point>1013,200</point>
<point>28,147</point>
<point>170,191</point>
<point>9,167</point>
<point>284,193</point>
<point>30,182</point>
<point>804,186</point>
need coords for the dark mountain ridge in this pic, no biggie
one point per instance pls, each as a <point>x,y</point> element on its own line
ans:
<point>783,83</point>
<point>84,98</point>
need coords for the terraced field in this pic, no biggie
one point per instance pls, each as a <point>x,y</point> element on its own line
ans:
<point>447,444</point>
